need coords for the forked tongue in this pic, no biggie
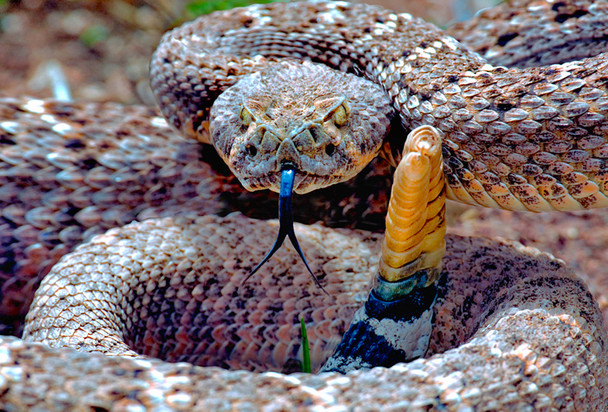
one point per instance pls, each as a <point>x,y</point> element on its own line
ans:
<point>286,222</point>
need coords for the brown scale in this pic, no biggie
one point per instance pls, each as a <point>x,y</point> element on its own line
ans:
<point>434,81</point>
<point>64,178</point>
<point>535,33</point>
<point>574,314</point>
<point>513,327</point>
<point>174,291</point>
<point>70,171</point>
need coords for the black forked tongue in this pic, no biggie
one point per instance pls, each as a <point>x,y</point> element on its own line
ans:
<point>286,223</point>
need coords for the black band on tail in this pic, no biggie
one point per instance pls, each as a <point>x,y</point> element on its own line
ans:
<point>362,346</point>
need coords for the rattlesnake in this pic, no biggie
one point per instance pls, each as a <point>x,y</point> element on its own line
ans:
<point>450,380</point>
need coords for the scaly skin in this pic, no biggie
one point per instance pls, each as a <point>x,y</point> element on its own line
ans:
<point>565,366</point>
<point>172,288</point>
<point>519,139</point>
<point>70,171</point>
<point>514,327</point>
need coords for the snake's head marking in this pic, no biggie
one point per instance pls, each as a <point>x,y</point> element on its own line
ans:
<point>327,125</point>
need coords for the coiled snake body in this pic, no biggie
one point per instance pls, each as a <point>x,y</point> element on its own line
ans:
<point>508,133</point>
<point>530,139</point>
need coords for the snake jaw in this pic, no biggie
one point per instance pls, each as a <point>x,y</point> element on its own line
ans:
<point>256,158</point>
<point>288,175</point>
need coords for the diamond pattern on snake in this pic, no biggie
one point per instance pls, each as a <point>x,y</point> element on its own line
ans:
<point>312,100</point>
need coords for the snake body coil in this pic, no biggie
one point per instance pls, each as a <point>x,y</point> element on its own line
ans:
<point>513,328</point>
<point>519,139</point>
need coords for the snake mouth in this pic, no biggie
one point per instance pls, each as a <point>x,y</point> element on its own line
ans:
<point>309,174</point>
<point>303,182</point>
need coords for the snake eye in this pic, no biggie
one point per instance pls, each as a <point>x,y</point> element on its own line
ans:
<point>245,116</point>
<point>341,114</point>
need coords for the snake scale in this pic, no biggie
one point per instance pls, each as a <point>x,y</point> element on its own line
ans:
<point>514,328</point>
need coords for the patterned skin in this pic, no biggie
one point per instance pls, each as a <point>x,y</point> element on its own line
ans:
<point>532,333</point>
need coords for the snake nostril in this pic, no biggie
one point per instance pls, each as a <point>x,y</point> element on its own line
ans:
<point>251,150</point>
<point>330,149</point>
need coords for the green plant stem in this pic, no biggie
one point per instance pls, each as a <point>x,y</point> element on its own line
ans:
<point>305,349</point>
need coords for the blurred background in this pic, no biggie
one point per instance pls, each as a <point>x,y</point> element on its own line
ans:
<point>98,50</point>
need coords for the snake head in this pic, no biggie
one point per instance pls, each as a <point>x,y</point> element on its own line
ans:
<point>327,125</point>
